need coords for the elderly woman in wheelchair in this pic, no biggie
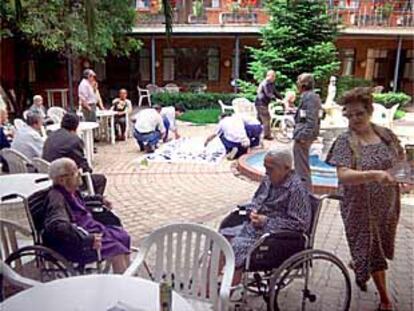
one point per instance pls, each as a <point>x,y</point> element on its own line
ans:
<point>280,203</point>
<point>272,238</point>
<point>71,230</point>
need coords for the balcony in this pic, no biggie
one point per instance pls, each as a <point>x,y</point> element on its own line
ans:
<point>369,17</point>
<point>238,18</point>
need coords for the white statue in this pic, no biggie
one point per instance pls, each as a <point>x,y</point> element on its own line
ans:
<point>330,98</point>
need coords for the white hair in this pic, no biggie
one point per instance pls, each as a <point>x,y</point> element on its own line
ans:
<point>60,167</point>
<point>281,155</point>
<point>37,97</point>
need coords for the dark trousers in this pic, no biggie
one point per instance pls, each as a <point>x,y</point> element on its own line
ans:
<point>264,118</point>
<point>151,139</point>
<point>253,131</point>
<point>167,128</point>
<point>301,159</point>
<point>121,122</point>
<point>229,145</point>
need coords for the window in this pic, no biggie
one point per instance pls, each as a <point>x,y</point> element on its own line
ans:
<point>191,64</point>
<point>142,4</point>
<point>244,60</point>
<point>211,3</point>
<point>347,57</point>
<point>168,72</point>
<point>144,65</point>
<point>349,4</point>
<point>376,66</point>
<point>409,65</point>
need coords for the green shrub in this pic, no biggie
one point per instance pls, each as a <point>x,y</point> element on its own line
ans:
<point>390,99</point>
<point>347,83</point>
<point>193,101</point>
<point>399,114</point>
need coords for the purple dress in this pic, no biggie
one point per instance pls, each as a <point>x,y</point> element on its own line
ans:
<point>66,210</point>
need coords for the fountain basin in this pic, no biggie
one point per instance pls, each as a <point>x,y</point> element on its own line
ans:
<point>324,178</point>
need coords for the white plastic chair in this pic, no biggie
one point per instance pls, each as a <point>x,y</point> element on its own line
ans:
<point>41,165</point>
<point>56,114</point>
<point>14,278</point>
<point>383,116</point>
<point>172,88</point>
<point>143,93</point>
<point>244,107</point>
<point>225,107</point>
<point>188,256</point>
<point>19,123</point>
<point>391,114</point>
<point>275,117</point>
<point>16,161</point>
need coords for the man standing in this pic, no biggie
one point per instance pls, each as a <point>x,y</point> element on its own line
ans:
<point>306,126</point>
<point>28,140</point>
<point>169,115</point>
<point>149,128</point>
<point>87,96</point>
<point>65,143</point>
<point>266,92</point>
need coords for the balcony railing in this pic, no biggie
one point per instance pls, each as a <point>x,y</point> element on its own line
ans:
<point>365,17</point>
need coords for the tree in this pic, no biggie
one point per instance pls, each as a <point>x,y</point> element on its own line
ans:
<point>298,38</point>
<point>75,28</point>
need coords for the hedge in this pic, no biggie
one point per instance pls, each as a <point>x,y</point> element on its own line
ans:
<point>390,99</point>
<point>193,101</point>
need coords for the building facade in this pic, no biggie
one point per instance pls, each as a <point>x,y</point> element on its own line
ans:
<point>210,41</point>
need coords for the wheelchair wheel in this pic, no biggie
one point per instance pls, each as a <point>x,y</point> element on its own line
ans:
<point>311,280</point>
<point>40,263</point>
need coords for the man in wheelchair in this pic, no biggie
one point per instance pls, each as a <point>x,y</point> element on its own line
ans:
<point>281,203</point>
<point>69,226</point>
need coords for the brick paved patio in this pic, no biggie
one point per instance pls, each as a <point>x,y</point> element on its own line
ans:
<point>165,193</point>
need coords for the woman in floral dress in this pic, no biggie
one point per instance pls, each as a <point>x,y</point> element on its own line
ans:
<point>371,206</point>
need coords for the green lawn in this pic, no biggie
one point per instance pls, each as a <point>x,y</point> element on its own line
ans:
<point>202,116</point>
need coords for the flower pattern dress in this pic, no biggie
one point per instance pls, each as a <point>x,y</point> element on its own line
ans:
<point>287,206</point>
<point>370,211</point>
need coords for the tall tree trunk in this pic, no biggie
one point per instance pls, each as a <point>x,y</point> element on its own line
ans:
<point>70,79</point>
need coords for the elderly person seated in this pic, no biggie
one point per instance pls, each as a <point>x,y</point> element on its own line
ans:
<point>289,102</point>
<point>28,140</point>
<point>121,106</point>
<point>281,202</point>
<point>66,143</point>
<point>70,228</point>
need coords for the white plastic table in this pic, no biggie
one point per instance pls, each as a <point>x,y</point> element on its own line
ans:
<point>85,129</point>
<point>23,184</point>
<point>92,292</point>
<point>105,115</point>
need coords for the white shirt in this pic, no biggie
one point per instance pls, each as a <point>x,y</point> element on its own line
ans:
<point>232,128</point>
<point>86,93</point>
<point>148,120</point>
<point>169,113</point>
<point>28,141</point>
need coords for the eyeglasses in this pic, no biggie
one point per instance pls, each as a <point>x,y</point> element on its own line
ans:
<point>357,115</point>
<point>75,173</point>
